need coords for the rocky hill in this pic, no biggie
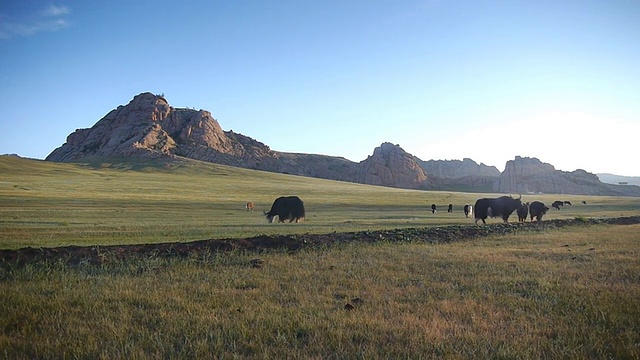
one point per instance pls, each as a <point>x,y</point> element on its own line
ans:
<point>391,166</point>
<point>461,175</point>
<point>530,175</point>
<point>455,169</point>
<point>148,127</point>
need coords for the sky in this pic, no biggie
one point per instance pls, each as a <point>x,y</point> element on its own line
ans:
<point>444,79</point>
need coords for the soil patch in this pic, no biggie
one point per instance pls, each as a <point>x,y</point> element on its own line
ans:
<point>97,255</point>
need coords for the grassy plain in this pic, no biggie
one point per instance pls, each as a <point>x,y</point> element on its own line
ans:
<point>45,204</point>
<point>570,293</point>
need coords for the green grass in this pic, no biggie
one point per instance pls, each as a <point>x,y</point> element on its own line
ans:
<point>556,294</point>
<point>569,293</point>
<point>126,201</point>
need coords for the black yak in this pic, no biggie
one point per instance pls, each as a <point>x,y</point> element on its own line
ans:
<point>286,208</point>
<point>522,212</point>
<point>434,208</point>
<point>498,207</point>
<point>537,209</point>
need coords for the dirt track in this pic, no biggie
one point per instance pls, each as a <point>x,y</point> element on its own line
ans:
<point>74,255</point>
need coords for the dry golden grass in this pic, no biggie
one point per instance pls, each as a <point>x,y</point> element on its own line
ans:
<point>569,293</point>
<point>556,294</point>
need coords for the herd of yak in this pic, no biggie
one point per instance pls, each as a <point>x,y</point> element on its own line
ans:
<point>291,209</point>
<point>504,206</point>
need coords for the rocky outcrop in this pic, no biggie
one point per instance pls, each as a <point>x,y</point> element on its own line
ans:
<point>391,166</point>
<point>455,169</point>
<point>148,127</point>
<point>531,176</point>
<point>460,175</point>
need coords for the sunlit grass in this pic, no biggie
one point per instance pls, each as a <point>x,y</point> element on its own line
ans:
<point>55,204</point>
<point>553,294</point>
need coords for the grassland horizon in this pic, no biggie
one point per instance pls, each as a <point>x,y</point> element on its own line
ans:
<point>47,204</point>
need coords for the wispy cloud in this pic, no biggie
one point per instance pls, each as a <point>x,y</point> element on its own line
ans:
<point>54,11</point>
<point>49,19</point>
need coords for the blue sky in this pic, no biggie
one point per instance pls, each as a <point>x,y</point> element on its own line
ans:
<point>486,80</point>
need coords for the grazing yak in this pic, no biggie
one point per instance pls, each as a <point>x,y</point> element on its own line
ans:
<point>522,212</point>
<point>468,210</point>
<point>567,202</point>
<point>450,208</point>
<point>434,208</point>
<point>286,208</point>
<point>502,206</point>
<point>537,210</point>
<point>557,204</point>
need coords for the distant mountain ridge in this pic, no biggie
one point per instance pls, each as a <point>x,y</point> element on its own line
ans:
<point>148,127</point>
<point>617,179</point>
<point>530,175</point>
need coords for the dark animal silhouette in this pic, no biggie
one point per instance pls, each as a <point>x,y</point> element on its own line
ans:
<point>468,209</point>
<point>557,204</point>
<point>434,208</point>
<point>537,210</point>
<point>450,208</point>
<point>567,202</point>
<point>286,208</point>
<point>522,212</point>
<point>498,207</point>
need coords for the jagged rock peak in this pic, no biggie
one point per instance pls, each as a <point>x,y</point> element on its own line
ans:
<point>387,147</point>
<point>391,166</point>
<point>148,98</point>
<point>529,163</point>
<point>148,127</point>
<point>148,103</point>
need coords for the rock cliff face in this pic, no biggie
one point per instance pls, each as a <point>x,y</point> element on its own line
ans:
<point>530,175</point>
<point>391,166</point>
<point>148,127</point>
<point>460,175</point>
<point>455,169</point>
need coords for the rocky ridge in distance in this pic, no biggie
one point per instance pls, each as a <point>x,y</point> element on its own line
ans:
<point>148,127</point>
